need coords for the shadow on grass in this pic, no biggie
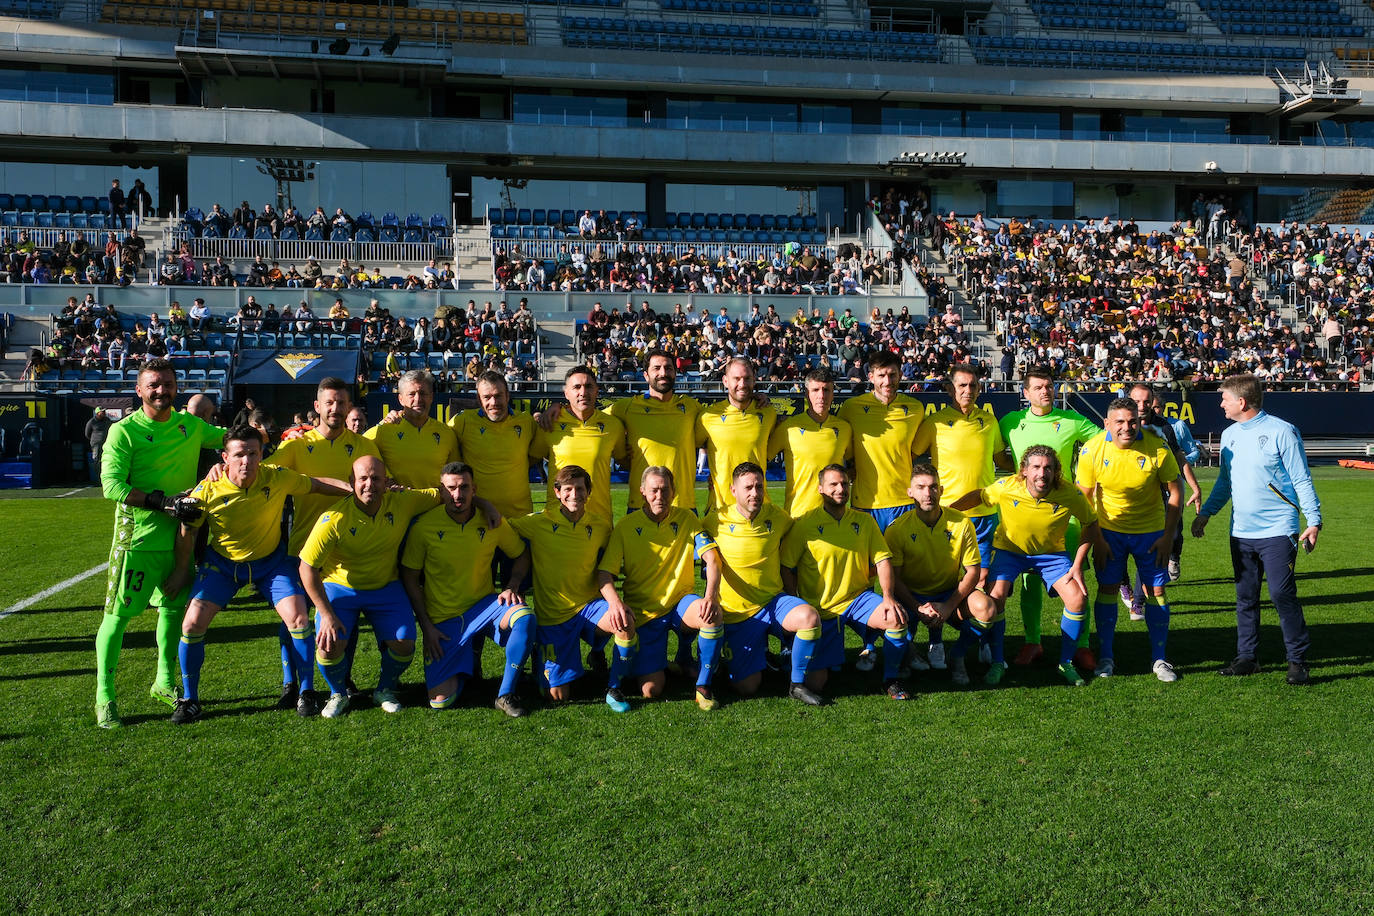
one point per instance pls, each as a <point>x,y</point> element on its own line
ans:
<point>141,639</point>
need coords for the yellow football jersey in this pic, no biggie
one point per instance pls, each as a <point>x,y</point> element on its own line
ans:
<point>961,448</point>
<point>661,433</point>
<point>590,445</point>
<point>316,456</point>
<point>498,454</point>
<point>751,569</point>
<point>931,559</point>
<point>1033,526</point>
<point>359,551</point>
<point>1128,481</point>
<point>883,438</point>
<point>732,437</point>
<point>656,559</point>
<point>413,456</point>
<point>807,447</point>
<point>245,524</point>
<point>456,559</point>
<point>564,555</point>
<point>834,560</point>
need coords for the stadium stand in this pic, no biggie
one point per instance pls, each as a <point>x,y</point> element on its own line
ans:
<point>677,36</point>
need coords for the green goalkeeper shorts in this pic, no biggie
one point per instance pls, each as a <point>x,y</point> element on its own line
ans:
<point>135,582</point>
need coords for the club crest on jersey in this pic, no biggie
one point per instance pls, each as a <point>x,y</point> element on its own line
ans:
<point>349,450</point>
<point>266,492</point>
<point>1056,425</point>
<point>1141,461</point>
<point>390,519</point>
<point>184,433</point>
<point>1263,441</point>
<point>673,525</point>
<point>589,531</point>
<point>436,438</point>
<point>855,526</point>
<point>518,430</point>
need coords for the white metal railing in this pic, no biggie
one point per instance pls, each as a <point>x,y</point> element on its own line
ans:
<point>300,250</point>
<point>549,249</point>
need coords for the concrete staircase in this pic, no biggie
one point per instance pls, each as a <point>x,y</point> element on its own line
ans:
<point>26,334</point>
<point>558,343</point>
<point>472,257</point>
<point>982,339</point>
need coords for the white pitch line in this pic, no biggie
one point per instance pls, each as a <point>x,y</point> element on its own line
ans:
<point>49,592</point>
<point>70,492</point>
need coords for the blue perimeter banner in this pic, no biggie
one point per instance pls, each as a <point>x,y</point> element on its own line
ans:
<point>1317,414</point>
<point>288,366</point>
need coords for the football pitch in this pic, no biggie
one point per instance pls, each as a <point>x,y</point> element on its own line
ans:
<point>1212,795</point>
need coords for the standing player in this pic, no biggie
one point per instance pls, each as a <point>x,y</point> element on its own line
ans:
<point>566,541</point>
<point>349,569</point>
<point>149,454</point>
<point>966,446</point>
<point>749,534</point>
<point>935,551</point>
<point>660,430</point>
<point>1147,402</point>
<point>1035,506</point>
<point>1189,453</point>
<point>495,442</point>
<point>734,431</point>
<point>654,549</point>
<point>452,546</point>
<point>1264,475</point>
<point>1122,471</point>
<point>885,424</point>
<point>414,446</point>
<point>828,560</point>
<point>809,441</point>
<point>242,510</point>
<point>584,437</point>
<point>327,451</point>
<point>1041,423</point>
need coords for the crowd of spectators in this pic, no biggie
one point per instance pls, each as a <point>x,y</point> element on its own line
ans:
<point>791,270</point>
<point>222,221</point>
<point>87,335</point>
<point>615,343</point>
<point>458,344</point>
<point>73,258</point>
<point>180,269</point>
<point>1103,302</point>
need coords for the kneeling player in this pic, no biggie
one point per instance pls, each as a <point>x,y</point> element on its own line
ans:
<point>749,536</point>
<point>243,508</point>
<point>935,552</point>
<point>1122,471</point>
<point>828,559</point>
<point>1035,505</point>
<point>452,546</point>
<point>654,549</point>
<point>349,570</point>
<point>565,542</point>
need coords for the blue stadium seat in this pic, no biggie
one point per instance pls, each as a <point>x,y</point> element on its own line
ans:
<point>21,202</point>
<point>71,203</point>
<point>494,215</point>
<point>539,217</point>
<point>90,204</point>
<point>289,234</point>
<point>339,234</point>
<point>364,234</point>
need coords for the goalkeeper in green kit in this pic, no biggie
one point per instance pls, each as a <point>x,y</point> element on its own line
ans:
<point>1044,424</point>
<point>149,464</point>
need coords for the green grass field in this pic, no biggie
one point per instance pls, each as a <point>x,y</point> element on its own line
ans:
<point>1207,796</point>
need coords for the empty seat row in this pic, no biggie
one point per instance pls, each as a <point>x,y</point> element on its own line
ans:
<point>28,219</point>
<point>742,7</point>
<point>522,216</point>
<point>54,202</point>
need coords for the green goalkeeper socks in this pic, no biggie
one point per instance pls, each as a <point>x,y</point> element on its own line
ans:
<point>109,639</point>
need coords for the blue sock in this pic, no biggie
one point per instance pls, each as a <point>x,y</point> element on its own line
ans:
<point>335,674</point>
<point>1157,624</point>
<point>803,647</point>
<point>708,648</point>
<point>970,634</point>
<point>352,650</point>
<point>302,650</point>
<point>1105,613</point>
<point>1070,625</point>
<point>895,643</point>
<point>996,636</point>
<point>517,648</point>
<point>288,659</point>
<point>393,666</point>
<point>937,633</point>
<point>625,650</point>
<point>191,654</point>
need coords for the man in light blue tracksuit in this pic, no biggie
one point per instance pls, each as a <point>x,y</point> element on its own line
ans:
<point>1264,475</point>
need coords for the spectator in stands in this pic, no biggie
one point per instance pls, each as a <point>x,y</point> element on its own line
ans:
<point>117,205</point>
<point>170,271</point>
<point>291,219</point>
<point>342,221</point>
<point>305,318</point>
<point>244,217</point>
<point>268,219</point>
<point>219,219</point>
<point>586,225</point>
<point>257,272</point>
<point>357,417</point>
<point>338,316</point>
<point>318,221</point>
<point>199,315</point>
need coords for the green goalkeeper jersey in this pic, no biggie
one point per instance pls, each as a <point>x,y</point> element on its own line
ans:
<point>141,454</point>
<point>1061,430</point>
